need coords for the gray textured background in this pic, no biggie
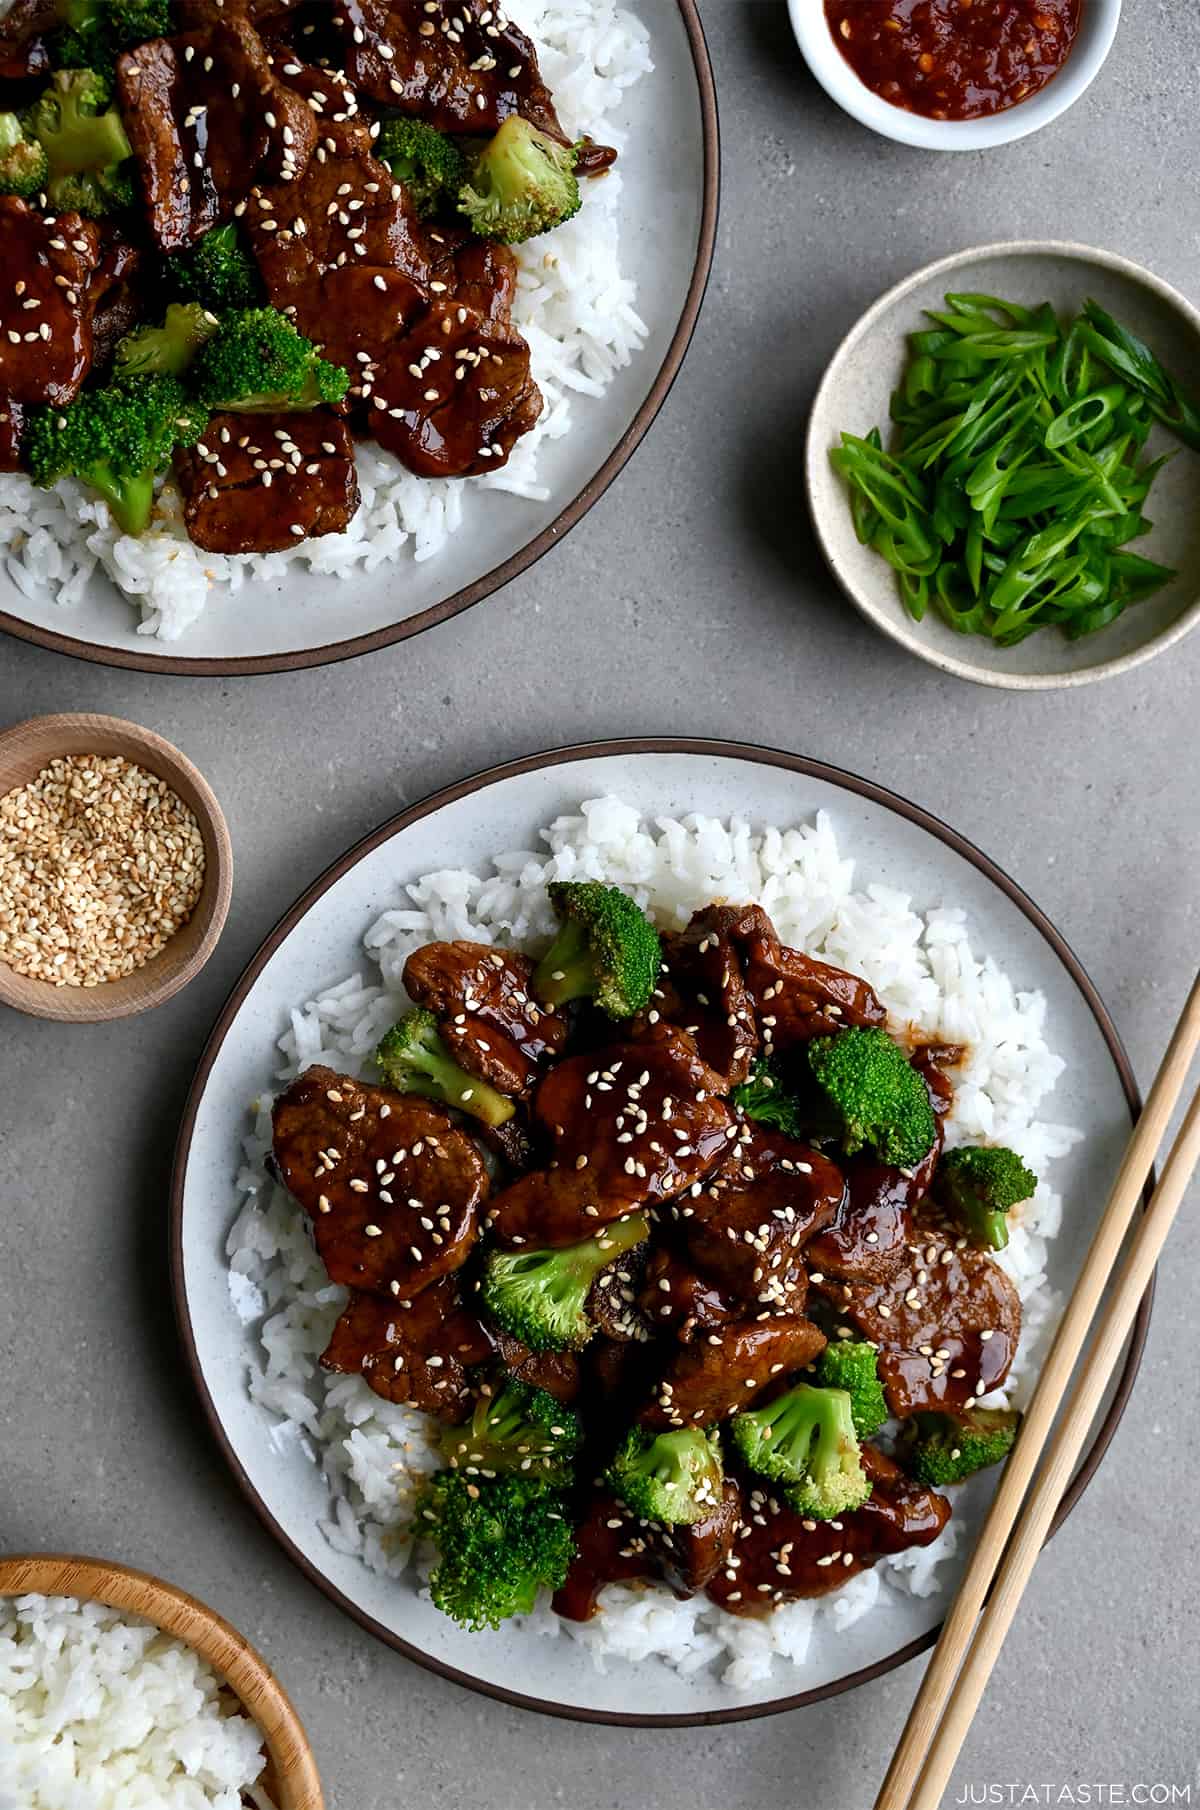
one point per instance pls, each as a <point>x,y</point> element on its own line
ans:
<point>690,601</point>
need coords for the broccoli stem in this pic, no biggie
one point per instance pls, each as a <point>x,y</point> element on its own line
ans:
<point>414,1060</point>
<point>567,970</point>
<point>130,496</point>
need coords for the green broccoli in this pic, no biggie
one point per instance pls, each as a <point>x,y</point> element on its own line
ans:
<point>516,1428</point>
<point>874,1095</point>
<point>117,440</point>
<point>852,1365</point>
<point>978,1185</point>
<point>764,1099</point>
<point>499,1541</point>
<point>22,160</point>
<point>258,362</point>
<point>168,349</point>
<point>945,1448</point>
<point>95,32</point>
<point>522,183</point>
<point>217,271</point>
<point>805,1440</point>
<point>607,950</point>
<point>414,1060</point>
<point>429,165</point>
<point>85,144</point>
<point>540,1297</point>
<point>675,1478</point>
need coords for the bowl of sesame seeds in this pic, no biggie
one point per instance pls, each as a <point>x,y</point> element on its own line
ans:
<point>115,868</point>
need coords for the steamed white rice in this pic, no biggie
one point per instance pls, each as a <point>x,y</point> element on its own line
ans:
<point>374,1454</point>
<point>575,308</point>
<point>99,1711</point>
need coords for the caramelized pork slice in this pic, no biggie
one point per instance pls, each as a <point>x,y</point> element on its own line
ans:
<point>613,1302</point>
<point>692,1555</point>
<point>458,64</point>
<point>798,997</point>
<point>416,1351</point>
<point>614,1546</point>
<point>454,396</point>
<point>703,989</point>
<point>392,1188</point>
<point>260,483</point>
<point>557,1372</point>
<point>676,1298</point>
<point>46,302</point>
<point>12,430</point>
<point>631,1124</point>
<point>207,119</point>
<point>725,1370</point>
<point>779,1555</point>
<point>342,253</point>
<point>489,1022</point>
<point>749,1227</point>
<point>117,293</point>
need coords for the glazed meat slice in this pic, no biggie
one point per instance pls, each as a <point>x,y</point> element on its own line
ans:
<point>692,1555</point>
<point>116,293</point>
<point>703,989</point>
<point>613,1299</point>
<point>46,303</point>
<point>478,273</point>
<point>489,1021</point>
<point>392,1188</point>
<point>747,1230</point>
<point>207,118</point>
<point>557,1372</point>
<point>779,1555</point>
<point>12,428</point>
<point>454,396</point>
<point>260,483</point>
<point>24,29</point>
<point>458,64</point>
<point>342,252</point>
<point>676,1298</point>
<point>416,1351</point>
<point>725,1370</point>
<point>633,1123</point>
<point>798,997</point>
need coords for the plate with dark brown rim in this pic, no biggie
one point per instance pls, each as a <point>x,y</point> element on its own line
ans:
<point>891,841</point>
<point>667,125</point>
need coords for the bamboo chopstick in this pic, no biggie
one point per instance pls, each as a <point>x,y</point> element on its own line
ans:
<point>926,1752</point>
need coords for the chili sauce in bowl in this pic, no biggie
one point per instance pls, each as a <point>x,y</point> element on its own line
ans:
<point>954,59</point>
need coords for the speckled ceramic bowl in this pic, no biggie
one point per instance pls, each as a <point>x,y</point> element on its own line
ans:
<point>854,396</point>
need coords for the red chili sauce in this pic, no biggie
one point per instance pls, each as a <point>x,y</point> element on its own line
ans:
<point>954,59</point>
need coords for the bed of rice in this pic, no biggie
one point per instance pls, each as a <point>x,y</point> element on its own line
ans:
<point>374,1454</point>
<point>103,1712</point>
<point>573,305</point>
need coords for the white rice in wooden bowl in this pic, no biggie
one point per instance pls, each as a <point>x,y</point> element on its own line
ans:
<point>374,1454</point>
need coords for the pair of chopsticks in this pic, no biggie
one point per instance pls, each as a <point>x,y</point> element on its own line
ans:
<point>1018,1523</point>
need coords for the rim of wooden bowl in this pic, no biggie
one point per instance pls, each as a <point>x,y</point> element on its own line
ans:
<point>25,748</point>
<point>294,1780</point>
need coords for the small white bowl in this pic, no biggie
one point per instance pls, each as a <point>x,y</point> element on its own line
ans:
<point>1097,29</point>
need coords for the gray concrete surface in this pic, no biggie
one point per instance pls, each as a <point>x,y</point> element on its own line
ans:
<point>690,601</point>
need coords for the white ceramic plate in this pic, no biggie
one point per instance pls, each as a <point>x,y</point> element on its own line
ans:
<point>669,213</point>
<point>891,841</point>
<point>854,395</point>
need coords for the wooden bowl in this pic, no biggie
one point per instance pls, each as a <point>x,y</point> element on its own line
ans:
<point>291,1778</point>
<point>28,747</point>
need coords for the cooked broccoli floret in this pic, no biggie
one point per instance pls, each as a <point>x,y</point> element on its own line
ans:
<point>874,1094</point>
<point>85,144</point>
<point>95,32</point>
<point>945,1448</point>
<point>430,165</point>
<point>979,1185</point>
<point>805,1440</point>
<point>22,159</point>
<point>498,1543</point>
<point>851,1364</point>
<point>117,440</point>
<point>168,349</point>
<point>763,1098</point>
<point>414,1060</point>
<point>516,1428</point>
<point>522,183</point>
<point>607,950</point>
<point>218,271</point>
<point>540,1297</point>
<point>675,1478</point>
<point>257,361</point>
